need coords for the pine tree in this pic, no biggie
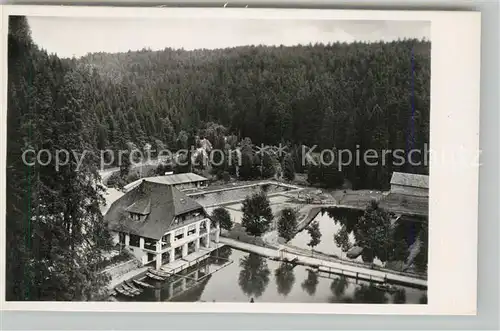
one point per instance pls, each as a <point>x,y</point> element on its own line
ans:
<point>287,224</point>
<point>374,233</point>
<point>341,239</point>
<point>315,233</point>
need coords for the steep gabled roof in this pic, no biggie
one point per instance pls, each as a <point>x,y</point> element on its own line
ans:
<point>159,203</point>
<point>412,180</point>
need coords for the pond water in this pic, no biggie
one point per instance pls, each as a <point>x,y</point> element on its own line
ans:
<point>253,276</point>
<point>328,227</point>
<point>234,194</point>
<point>331,220</point>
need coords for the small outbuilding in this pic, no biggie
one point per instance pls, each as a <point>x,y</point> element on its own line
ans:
<point>410,184</point>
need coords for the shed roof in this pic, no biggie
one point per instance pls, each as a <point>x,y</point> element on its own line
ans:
<point>174,179</point>
<point>177,178</point>
<point>159,203</point>
<point>412,180</point>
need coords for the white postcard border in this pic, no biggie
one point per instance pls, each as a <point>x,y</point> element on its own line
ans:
<point>453,206</point>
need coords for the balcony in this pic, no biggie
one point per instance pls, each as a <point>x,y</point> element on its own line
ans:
<point>150,246</point>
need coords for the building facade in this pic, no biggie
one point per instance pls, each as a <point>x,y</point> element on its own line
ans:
<point>159,224</point>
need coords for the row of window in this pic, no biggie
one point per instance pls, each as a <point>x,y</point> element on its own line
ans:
<point>134,240</point>
<point>183,218</point>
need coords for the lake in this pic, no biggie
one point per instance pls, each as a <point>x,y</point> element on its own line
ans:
<point>332,219</point>
<point>254,276</point>
<point>329,225</point>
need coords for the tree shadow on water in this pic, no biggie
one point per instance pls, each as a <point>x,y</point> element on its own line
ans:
<point>338,286</point>
<point>362,294</point>
<point>254,275</point>
<point>369,294</point>
<point>400,296</point>
<point>310,283</point>
<point>285,278</point>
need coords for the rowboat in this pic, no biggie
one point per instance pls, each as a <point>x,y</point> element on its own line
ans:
<point>142,284</point>
<point>131,289</point>
<point>159,273</point>
<point>131,285</point>
<point>124,291</point>
<point>155,277</point>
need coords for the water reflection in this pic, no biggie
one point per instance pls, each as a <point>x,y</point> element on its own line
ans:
<point>400,296</point>
<point>285,278</point>
<point>254,275</point>
<point>338,286</point>
<point>337,228</point>
<point>345,216</point>
<point>369,294</point>
<point>221,255</point>
<point>311,283</point>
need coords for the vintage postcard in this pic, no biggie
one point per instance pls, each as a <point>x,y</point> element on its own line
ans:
<point>240,160</point>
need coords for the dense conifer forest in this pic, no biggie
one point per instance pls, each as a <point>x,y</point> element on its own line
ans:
<point>355,96</point>
<point>343,96</point>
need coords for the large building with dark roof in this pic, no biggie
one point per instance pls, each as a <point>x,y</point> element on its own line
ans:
<point>159,224</point>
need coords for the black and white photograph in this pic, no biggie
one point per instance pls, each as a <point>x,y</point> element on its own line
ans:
<point>220,160</point>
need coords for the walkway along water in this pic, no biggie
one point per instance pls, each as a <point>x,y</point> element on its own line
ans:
<point>328,266</point>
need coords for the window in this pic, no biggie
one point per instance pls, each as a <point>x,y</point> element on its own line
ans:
<point>191,230</point>
<point>150,244</point>
<point>179,234</point>
<point>151,257</point>
<point>135,217</point>
<point>134,240</point>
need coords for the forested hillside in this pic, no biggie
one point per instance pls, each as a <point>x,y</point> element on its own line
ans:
<point>55,234</point>
<point>344,96</point>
